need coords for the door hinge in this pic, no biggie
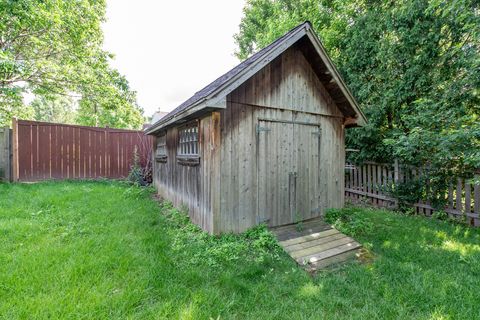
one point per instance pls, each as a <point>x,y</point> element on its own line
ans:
<point>260,129</point>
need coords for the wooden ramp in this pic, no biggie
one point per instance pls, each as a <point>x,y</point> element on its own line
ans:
<point>315,245</point>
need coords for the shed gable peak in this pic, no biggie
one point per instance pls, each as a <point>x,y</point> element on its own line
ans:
<point>214,94</point>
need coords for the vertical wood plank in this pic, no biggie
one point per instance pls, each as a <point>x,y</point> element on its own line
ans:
<point>458,195</point>
<point>15,159</point>
<point>468,195</point>
<point>476,196</point>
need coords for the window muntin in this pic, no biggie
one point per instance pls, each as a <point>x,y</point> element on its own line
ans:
<point>161,151</point>
<point>188,140</point>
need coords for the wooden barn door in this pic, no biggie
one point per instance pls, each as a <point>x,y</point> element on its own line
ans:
<point>288,174</point>
<point>307,152</point>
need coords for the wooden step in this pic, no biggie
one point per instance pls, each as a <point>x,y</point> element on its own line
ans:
<point>335,260</point>
<point>320,225</point>
<point>310,237</point>
<point>321,247</point>
<point>314,241</point>
<point>291,234</point>
<point>312,258</point>
<point>317,245</point>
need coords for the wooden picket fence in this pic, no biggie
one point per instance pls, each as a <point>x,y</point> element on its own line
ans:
<point>370,181</point>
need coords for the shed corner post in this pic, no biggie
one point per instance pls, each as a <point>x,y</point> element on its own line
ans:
<point>215,174</point>
<point>15,171</point>
<point>153,148</point>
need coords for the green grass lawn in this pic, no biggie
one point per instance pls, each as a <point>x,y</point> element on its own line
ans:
<point>83,250</point>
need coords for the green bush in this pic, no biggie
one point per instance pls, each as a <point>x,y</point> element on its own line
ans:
<point>407,193</point>
<point>136,175</point>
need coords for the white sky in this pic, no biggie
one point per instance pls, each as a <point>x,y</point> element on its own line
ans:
<point>168,50</point>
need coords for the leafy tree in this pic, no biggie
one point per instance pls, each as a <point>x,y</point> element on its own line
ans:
<point>413,65</point>
<point>57,109</point>
<point>123,116</point>
<point>11,105</point>
<point>266,20</point>
<point>54,47</point>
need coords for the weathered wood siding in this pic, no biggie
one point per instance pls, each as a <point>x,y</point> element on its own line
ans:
<point>285,90</point>
<point>242,172</point>
<point>192,186</point>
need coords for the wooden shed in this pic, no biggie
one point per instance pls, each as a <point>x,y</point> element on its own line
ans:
<point>263,143</point>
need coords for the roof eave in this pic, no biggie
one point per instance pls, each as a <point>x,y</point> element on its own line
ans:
<point>166,121</point>
<point>361,119</point>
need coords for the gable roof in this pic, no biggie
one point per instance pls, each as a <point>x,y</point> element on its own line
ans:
<point>229,81</point>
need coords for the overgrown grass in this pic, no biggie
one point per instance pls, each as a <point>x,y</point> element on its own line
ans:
<point>106,250</point>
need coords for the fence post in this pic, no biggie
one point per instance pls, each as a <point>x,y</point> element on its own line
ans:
<point>5,154</point>
<point>15,172</point>
<point>8,149</point>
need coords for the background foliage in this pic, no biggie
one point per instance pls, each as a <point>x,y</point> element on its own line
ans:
<point>413,65</point>
<point>52,50</point>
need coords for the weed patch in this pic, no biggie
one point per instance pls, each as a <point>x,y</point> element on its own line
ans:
<point>349,220</point>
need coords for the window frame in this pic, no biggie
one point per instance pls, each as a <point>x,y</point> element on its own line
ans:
<point>188,143</point>
<point>162,144</point>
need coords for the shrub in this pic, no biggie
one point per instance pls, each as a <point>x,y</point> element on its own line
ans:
<point>138,175</point>
<point>407,193</point>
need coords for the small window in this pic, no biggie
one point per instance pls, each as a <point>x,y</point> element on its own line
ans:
<point>188,140</point>
<point>161,151</point>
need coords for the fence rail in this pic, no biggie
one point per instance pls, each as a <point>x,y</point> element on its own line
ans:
<point>370,182</point>
<point>44,150</point>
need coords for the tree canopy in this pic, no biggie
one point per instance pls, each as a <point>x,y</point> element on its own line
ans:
<point>53,48</point>
<point>413,65</point>
<point>56,109</point>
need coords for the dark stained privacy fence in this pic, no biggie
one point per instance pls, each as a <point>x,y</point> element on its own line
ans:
<point>369,182</point>
<point>57,151</point>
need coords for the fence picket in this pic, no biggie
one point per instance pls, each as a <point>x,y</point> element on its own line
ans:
<point>458,195</point>
<point>450,197</point>
<point>379,182</point>
<point>468,194</point>
<point>373,172</point>
<point>476,200</point>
